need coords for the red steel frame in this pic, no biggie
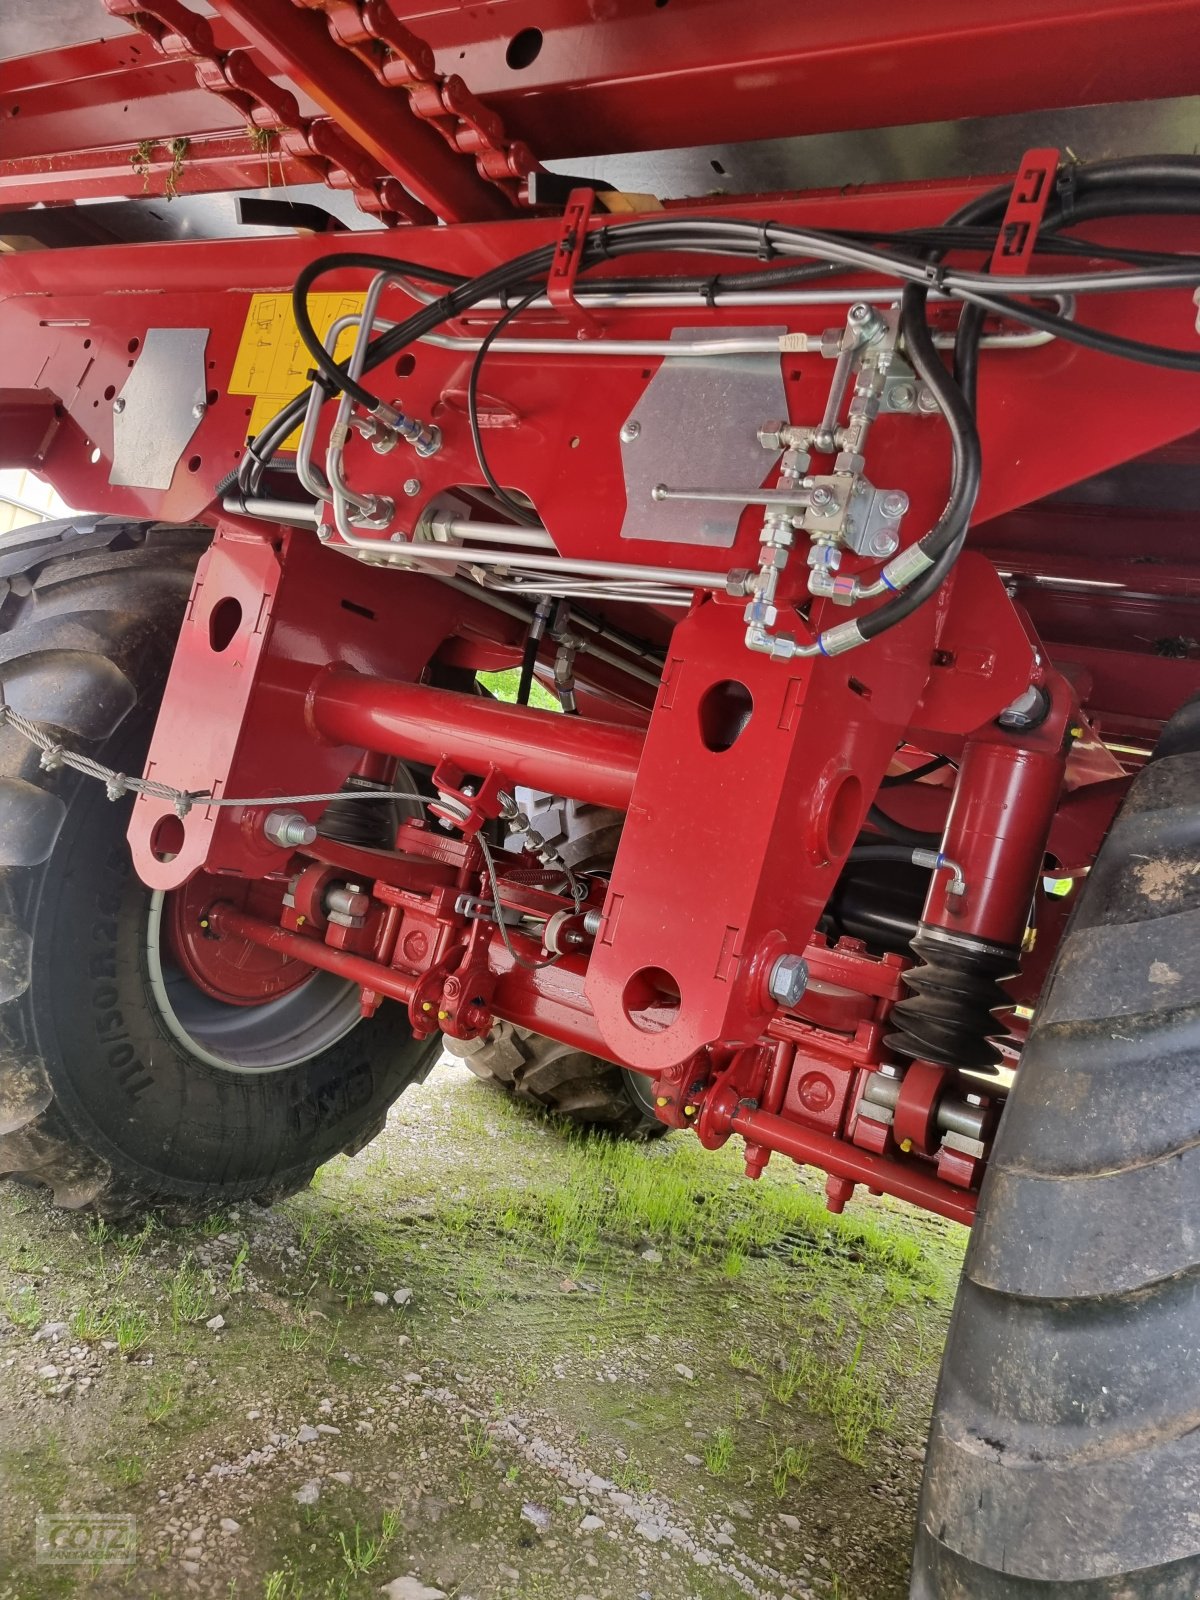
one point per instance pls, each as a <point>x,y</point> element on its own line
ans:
<point>728,856</point>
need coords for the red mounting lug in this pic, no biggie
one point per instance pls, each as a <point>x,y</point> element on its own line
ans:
<point>560,286</point>
<point>466,806</point>
<point>1031,191</point>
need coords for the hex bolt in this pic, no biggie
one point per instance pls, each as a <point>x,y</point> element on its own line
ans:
<point>119,404</point>
<point>883,542</point>
<point>788,980</point>
<point>927,402</point>
<point>324,532</point>
<point>822,500</point>
<point>894,503</point>
<point>199,409</point>
<point>289,829</point>
<point>859,313</point>
<point>630,431</point>
<point>902,397</point>
<point>412,486</point>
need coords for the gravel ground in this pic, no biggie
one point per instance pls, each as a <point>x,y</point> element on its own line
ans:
<point>479,1359</point>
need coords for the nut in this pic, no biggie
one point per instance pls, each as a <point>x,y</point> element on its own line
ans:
<point>289,829</point>
<point>771,435</point>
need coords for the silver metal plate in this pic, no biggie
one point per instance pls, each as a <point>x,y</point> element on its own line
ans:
<point>159,409</point>
<point>697,425</point>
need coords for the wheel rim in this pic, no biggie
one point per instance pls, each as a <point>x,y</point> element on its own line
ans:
<point>207,1001</point>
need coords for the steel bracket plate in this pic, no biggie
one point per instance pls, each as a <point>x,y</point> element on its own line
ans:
<point>159,409</point>
<point>697,422</point>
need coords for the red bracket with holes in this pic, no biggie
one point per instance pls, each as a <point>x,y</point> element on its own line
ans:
<point>1031,192</point>
<point>569,250</point>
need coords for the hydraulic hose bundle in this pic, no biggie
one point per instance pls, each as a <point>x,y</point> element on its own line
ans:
<point>916,259</point>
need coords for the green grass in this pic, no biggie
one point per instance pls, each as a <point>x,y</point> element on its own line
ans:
<point>23,1310</point>
<point>791,1465</point>
<point>190,1294</point>
<point>362,1552</point>
<point>718,1452</point>
<point>504,686</point>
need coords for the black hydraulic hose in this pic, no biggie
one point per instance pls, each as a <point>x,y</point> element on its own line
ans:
<point>914,838</point>
<point>934,764</point>
<point>514,508</point>
<point>528,661</point>
<point>333,371</point>
<point>886,852</point>
<point>945,539</point>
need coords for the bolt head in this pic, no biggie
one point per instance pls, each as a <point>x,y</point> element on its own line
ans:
<point>770,435</point>
<point>412,486</point>
<point>630,431</point>
<point>822,498</point>
<point>894,503</point>
<point>884,542</point>
<point>859,313</point>
<point>788,980</point>
<point>199,409</point>
<point>324,532</point>
<point>903,397</point>
<point>927,402</point>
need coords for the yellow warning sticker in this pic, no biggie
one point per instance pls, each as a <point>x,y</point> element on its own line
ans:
<point>272,364</point>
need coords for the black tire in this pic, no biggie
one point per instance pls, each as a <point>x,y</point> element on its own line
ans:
<point>99,1100</point>
<point>1064,1459</point>
<point>567,1082</point>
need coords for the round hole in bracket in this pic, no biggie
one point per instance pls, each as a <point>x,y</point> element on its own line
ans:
<point>651,999</point>
<point>193,463</point>
<point>405,364</point>
<point>725,711</point>
<point>524,48</point>
<point>224,620</point>
<point>109,391</point>
<point>166,837</point>
<point>838,820</point>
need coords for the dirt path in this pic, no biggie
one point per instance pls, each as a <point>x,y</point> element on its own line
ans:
<point>478,1360</point>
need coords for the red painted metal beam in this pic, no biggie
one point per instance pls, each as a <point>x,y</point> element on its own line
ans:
<point>213,164</point>
<point>644,77</point>
<point>576,756</point>
<point>228,922</point>
<point>847,1161</point>
<point>296,43</point>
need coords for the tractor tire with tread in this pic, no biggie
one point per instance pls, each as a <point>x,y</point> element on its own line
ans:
<point>1064,1457</point>
<point>99,1100</point>
<point>562,1080</point>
